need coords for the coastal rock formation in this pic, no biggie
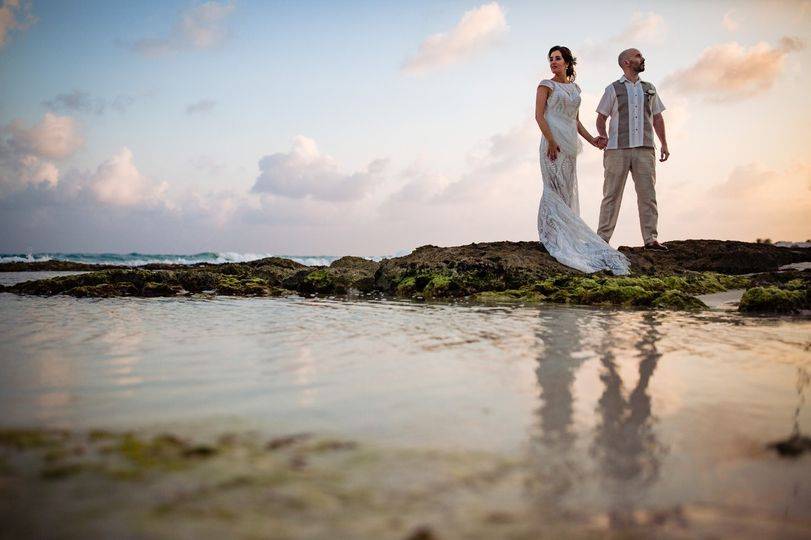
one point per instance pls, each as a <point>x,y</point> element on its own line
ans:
<point>53,265</point>
<point>722,256</point>
<point>344,276</point>
<point>484,272</point>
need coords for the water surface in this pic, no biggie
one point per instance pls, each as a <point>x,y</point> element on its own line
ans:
<point>625,410</point>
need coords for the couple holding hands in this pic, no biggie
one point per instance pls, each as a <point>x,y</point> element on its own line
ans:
<point>635,113</point>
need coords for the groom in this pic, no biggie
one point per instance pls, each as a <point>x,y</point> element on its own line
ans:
<point>636,112</point>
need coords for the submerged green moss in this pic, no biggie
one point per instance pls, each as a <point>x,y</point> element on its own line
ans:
<point>670,292</point>
<point>58,472</point>
<point>162,451</point>
<point>523,296</point>
<point>25,439</point>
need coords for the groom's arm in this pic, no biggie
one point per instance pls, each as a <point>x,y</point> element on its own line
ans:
<point>601,125</point>
<point>659,128</point>
<point>604,109</point>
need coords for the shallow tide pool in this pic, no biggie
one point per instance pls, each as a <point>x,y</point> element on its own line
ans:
<point>624,410</point>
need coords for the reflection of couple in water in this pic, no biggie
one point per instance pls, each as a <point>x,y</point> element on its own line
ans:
<point>626,452</point>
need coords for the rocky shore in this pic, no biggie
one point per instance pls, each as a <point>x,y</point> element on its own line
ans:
<point>484,272</point>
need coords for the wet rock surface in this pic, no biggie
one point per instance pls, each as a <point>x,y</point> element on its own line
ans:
<point>722,256</point>
<point>490,272</point>
<point>53,265</point>
<point>344,276</point>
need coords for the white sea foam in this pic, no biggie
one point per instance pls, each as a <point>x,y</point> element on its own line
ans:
<point>141,259</point>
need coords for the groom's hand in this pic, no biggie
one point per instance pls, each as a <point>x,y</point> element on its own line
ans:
<point>665,153</point>
<point>601,142</point>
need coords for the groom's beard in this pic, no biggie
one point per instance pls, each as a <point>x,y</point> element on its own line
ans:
<point>640,68</point>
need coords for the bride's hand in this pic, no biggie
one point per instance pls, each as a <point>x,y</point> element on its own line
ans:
<point>552,151</point>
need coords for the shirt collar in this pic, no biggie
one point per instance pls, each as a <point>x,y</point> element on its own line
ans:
<point>624,79</point>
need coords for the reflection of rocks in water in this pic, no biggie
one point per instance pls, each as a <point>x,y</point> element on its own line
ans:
<point>796,444</point>
<point>625,443</point>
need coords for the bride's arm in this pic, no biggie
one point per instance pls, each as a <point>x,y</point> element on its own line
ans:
<point>585,134</point>
<point>541,96</point>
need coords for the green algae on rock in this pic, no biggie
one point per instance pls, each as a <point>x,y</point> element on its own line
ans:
<point>668,292</point>
<point>774,299</point>
<point>252,286</point>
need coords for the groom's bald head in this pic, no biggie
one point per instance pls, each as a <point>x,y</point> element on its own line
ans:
<point>631,61</point>
<point>625,56</point>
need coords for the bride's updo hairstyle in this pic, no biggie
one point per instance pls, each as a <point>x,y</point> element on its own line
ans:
<point>567,57</point>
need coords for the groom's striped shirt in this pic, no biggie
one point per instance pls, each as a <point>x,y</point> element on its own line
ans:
<point>631,107</point>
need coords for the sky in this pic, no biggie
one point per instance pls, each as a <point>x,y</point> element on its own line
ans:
<point>371,128</point>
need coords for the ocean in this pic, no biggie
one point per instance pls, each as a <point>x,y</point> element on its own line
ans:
<point>141,259</point>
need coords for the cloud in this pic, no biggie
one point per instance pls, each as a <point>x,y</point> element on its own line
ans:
<point>82,102</point>
<point>202,106</point>
<point>54,137</point>
<point>479,28</point>
<point>118,182</point>
<point>26,154</point>
<point>305,172</point>
<point>729,21</point>
<point>14,15</point>
<point>421,187</point>
<point>755,201</point>
<point>76,101</point>
<point>501,171</point>
<point>495,198</point>
<point>197,28</point>
<point>731,72</point>
<point>643,28</point>
<point>33,170</point>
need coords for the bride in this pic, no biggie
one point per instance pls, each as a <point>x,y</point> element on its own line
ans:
<point>564,234</point>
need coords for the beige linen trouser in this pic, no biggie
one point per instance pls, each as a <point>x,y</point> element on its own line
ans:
<point>641,162</point>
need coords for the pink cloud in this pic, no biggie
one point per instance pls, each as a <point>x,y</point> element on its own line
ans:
<point>477,29</point>
<point>730,71</point>
<point>118,182</point>
<point>14,15</point>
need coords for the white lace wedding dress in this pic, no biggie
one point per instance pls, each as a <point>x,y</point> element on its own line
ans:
<point>562,232</point>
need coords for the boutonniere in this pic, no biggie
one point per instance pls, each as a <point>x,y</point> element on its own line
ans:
<point>650,91</point>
